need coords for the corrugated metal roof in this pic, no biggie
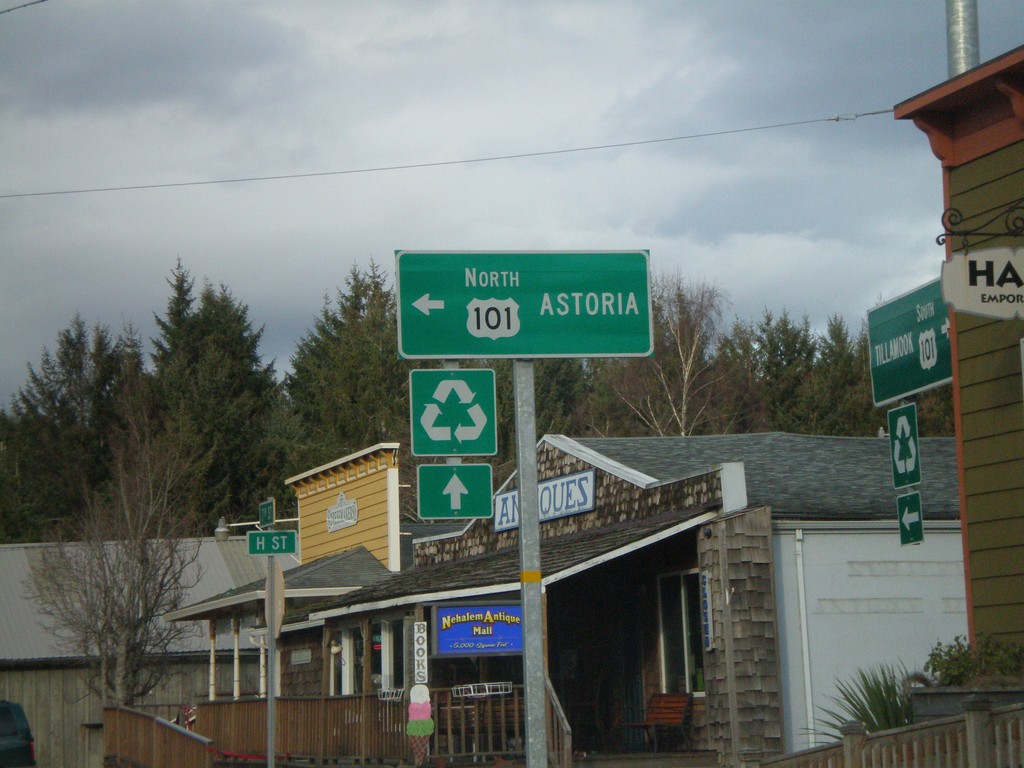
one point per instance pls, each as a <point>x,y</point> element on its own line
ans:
<point>26,635</point>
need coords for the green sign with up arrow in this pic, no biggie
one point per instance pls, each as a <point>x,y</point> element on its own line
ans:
<point>451,491</point>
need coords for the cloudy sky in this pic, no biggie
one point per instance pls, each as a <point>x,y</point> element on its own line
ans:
<point>368,107</point>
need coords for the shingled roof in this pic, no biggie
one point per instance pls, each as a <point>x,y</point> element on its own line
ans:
<point>496,572</point>
<point>327,575</point>
<point>802,477</point>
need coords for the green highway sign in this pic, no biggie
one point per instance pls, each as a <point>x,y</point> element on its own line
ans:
<point>908,513</point>
<point>523,305</point>
<point>904,446</point>
<point>448,491</point>
<point>453,412</point>
<point>272,542</point>
<point>909,344</point>
<point>267,509</point>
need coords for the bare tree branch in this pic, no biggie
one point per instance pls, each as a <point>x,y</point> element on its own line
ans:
<point>669,392</point>
<point>131,563</point>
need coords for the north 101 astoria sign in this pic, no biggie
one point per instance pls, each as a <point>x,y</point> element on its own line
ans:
<point>523,305</point>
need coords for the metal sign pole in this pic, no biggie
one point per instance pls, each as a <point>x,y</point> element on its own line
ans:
<point>271,653</point>
<point>530,571</point>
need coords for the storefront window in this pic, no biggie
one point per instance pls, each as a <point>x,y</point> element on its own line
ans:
<point>376,655</point>
<point>682,653</point>
<point>351,671</point>
<point>395,674</point>
<point>386,657</point>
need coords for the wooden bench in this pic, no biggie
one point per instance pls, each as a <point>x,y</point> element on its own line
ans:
<point>666,721</point>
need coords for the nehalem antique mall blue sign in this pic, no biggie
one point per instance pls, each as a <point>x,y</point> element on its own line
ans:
<point>464,630</point>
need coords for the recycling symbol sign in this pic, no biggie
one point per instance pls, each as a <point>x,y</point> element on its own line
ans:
<point>904,446</point>
<point>453,412</point>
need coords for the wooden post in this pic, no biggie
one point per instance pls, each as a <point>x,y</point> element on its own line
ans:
<point>236,684</point>
<point>367,685</point>
<point>326,688</point>
<point>853,735</point>
<point>735,736</point>
<point>978,712</point>
<point>213,660</point>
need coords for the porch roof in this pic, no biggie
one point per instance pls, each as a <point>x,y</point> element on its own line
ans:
<point>499,572</point>
<point>342,572</point>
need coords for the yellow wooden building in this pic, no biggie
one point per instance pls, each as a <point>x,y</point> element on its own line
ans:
<point>975,125</point>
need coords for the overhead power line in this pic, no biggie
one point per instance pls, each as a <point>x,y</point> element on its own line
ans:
<point>442,163</point>
<point>19,7</point>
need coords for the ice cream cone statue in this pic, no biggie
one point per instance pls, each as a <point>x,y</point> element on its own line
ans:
<point>421,724</point>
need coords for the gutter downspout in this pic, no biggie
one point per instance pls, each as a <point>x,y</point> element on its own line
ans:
<point>805,643</point>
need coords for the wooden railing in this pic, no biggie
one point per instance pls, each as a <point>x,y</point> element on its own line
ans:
<point>133,738</point>
<point>982,737</point>
<point>559,732</point>
<point>362,727</point>
<point>366,728</point>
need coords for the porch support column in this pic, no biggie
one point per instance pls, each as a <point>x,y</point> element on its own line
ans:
<point>237,661</point>
<point>213,660</point>
<point>263,669</point>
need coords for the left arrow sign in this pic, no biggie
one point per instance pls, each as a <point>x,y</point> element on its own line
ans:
<point>424,304</point>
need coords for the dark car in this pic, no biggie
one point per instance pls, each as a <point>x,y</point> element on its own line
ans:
<point>17,747</point>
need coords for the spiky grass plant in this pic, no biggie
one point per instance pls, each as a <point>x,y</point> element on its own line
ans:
<point>878,697</point>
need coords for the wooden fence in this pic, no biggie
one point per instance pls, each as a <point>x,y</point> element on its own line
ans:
<point>983,737</point>
<point>469,725</point>
<point>133,738</point>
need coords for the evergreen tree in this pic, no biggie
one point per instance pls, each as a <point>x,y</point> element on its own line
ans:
<point>934,412</point>
<point>737,403</point>
<point>784,356</point>
<point>215,390</point>
<point>839,391</point>
<point>560,387</point>
<point>348,387</point>
<point>55,439</point>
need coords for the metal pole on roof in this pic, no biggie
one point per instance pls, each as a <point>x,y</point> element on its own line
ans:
<point>534,675</point>
<point>962,35</point>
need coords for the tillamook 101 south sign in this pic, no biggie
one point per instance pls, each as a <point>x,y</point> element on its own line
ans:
<point>519,305</point>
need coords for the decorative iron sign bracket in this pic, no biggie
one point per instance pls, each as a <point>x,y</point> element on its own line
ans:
<point>1011,218</point>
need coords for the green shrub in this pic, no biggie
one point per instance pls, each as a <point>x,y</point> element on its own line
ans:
<point>878,697</point>
<point>988,662</point>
